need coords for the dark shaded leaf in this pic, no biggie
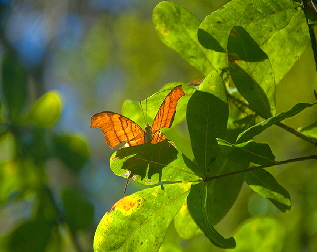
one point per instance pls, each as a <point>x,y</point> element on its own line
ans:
<point>153,163</point>
<point>197,207</point>
<point>207,115</point>
<point>13,86</point>
<point>31,236</point>
<point>72,150</point>
<point>79,211</point>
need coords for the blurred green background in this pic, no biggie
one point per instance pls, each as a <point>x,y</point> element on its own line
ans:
<point>95,54</point>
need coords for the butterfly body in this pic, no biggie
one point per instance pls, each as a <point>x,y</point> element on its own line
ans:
<point>118,128</point>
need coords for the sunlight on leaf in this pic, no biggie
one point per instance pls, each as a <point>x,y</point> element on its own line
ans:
<point>46,110</point>
<point>185,225</point>
<point>178,28</point>
<point>261,234</point>
<point>278,27</point>
<point>139,222</point>
<point>310,130</point>
<point>263,183</point>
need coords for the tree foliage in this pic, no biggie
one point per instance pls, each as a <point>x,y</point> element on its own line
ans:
<point>216,150</point>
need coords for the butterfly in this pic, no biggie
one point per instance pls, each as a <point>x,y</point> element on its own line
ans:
<point>118,128</point>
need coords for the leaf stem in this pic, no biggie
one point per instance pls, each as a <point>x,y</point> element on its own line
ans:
<point>263,166</point>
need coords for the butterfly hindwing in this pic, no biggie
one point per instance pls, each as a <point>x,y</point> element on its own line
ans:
<point>118,129</point>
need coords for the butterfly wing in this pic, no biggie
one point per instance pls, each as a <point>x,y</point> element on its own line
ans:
<point>165,115</point>
<point>118,129</point>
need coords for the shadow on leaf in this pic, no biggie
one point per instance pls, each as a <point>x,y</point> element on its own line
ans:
<point>146,161</point>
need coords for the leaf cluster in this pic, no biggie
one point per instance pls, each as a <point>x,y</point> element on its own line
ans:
<point>244,49</point>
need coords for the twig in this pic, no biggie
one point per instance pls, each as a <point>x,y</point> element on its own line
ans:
<point>263,166</point>
<point>298,134</point>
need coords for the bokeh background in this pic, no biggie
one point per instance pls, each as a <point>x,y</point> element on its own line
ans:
<point>98,53</point>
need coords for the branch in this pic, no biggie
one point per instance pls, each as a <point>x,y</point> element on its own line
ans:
<point>263,166</point>
<point>298,134</point>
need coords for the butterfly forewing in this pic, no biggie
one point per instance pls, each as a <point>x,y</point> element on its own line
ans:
<point>165,114</point>
<point>118,129</point>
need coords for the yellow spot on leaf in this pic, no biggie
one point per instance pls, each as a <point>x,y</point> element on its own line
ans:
<point>128,205</point>
<point>163,30</point>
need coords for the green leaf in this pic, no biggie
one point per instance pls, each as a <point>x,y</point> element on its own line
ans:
<point>263,183</point>
<point>207,115</point>
<point>223,192</point>
<point>13,86</point>
<point>263,230</point>
<point>260,127</point>
<point>72,150</point>
<point>153,163</point>
<point>78,210</point>
<point>185,225</point>
<point>177,28</point>
<point>278,27</point>
<point>46,110</point>
<point>197,207</point>
<point>257,153</point>
<point>30,236</point>
<point>139,222</point>
<point>310,130</point>
<point>251,72</point>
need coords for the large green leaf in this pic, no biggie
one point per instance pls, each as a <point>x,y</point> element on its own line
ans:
<point>139,222</point>
<point>260,233</point>
<point>278,27</point>
<point>223,192</point>
<point>197,206</point>
<point>257,153</point>
<point>177,28</point>
<point>260,127</point>
<point>207,115</point>
<point>13,86</point>
<point>153,163</point>
<point>72,150</point>
<point>251,72</point>
<point>263,183</point>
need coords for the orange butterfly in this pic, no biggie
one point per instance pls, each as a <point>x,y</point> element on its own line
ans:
<point>118,128</point>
